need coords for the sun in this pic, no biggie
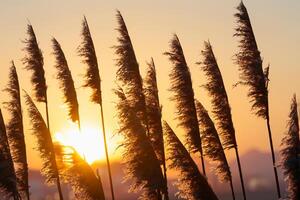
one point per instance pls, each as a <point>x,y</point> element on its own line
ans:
<point>88,142</point>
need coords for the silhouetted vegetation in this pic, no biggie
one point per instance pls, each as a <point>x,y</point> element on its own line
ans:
<point>142,167</point>
<point>15,131</point>
<point>220,104</point>
<point>212,147</point>
<point>92,78</point>
<point>252,74</point>
<point>66,82</point>
<point>154,115</point>
<point>128,73</point>
<point>291,153</point>
<point>183,96</point>
<point>154,111</point>
<point>8,179</point>
<point>34,61</point>
<point>216,89</point>
<point>75,171</point>
<point>149,147</point>
<point>191,183</point>
<point>87,52</point>
<point>44,144</point>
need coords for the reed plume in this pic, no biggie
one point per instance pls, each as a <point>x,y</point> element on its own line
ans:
<point>34,61</point>
<point>212,147</point>
<point>154,112</point>
<point>252,74</point>
<point>220,104</point>
<point>66,82</point>
<point>191,183</point>
<point>142,167</point>
<point>290,153</point>
<point>153,109</point>
<point>183,96</point>
<point>8,179</point>
<point>128,73</point>
<point>216,89</point>
<point>15,131</point>
<point>77,172</point>
<point>250,63</point>
<point>87,51</point>
<point>44,144</point>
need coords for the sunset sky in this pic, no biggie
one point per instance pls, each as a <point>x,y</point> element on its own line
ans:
<point>151,25</point>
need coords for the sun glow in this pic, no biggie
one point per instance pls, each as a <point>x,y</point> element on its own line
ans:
<point>88,143</point>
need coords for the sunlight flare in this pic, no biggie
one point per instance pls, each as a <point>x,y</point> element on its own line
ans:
<point>87,142</point>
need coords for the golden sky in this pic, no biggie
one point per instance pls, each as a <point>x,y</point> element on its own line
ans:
<point>151,25</point>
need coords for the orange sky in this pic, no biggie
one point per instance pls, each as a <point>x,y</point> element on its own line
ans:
<point>151,25</point>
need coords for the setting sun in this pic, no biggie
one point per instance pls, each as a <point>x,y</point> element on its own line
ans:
<point>88,142</point>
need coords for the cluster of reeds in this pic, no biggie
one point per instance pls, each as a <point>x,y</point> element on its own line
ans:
<point>150,146</point>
